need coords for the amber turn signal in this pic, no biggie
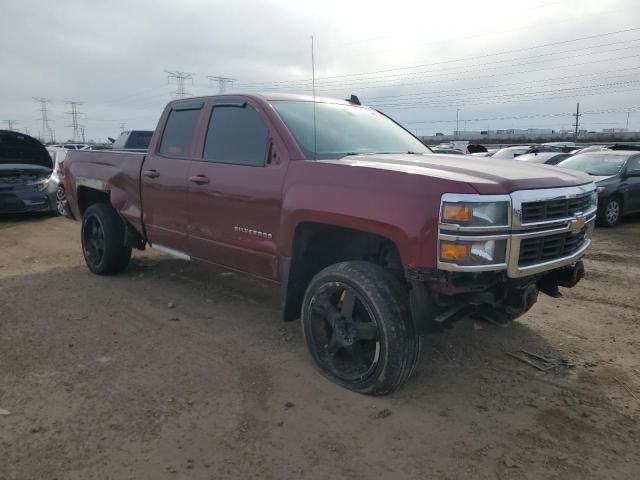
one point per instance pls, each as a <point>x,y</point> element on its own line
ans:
<point>454,251</point>
<point>457,213</point>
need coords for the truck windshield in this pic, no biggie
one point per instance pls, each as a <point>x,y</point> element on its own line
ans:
<point>343,130</point>
<point>598,164</point>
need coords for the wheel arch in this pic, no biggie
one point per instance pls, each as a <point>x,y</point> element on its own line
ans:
<point>316,245</point>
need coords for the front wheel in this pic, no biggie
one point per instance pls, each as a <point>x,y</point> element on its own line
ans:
<point>358,328</point>
<point>611,212</point>
<point>103,240</point>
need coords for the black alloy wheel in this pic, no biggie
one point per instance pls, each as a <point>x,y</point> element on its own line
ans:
<point>344,332</point>
<point>358,327</point>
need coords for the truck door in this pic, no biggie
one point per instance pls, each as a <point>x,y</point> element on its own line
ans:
<point>163,179</point>
<point>632,189</point>
<point>235,190</point>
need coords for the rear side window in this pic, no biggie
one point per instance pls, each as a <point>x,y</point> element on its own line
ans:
<point>178,133</point>
<point>236,135</point>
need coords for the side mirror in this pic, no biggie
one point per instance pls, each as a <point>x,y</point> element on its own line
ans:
<point>633,173</point>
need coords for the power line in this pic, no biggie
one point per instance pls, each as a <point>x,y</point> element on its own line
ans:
<point>74,119</point>
<point>476,57</point>
<point>10,124</point>
<point>180,78</point>
<point>222,82</point>
<point>46,130</point>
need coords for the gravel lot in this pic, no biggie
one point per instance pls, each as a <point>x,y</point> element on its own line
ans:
<point>171,371</point>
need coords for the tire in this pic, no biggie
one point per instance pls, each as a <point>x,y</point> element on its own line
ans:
<point>62,205</point>
<point>102,237</point>
<point>358,328</point>
<point>611,212</point>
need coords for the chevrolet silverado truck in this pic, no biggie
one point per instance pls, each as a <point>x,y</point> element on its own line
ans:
<point>373,240</point>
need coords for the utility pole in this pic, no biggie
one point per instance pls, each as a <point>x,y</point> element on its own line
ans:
<point>627,127</point>
<point>457,121</point>
<point>180,78</point>
<point>10,124</point>
<point>222,82</point>
<point>577,115</point>
<point>44,118</point>
<point>123,127</point>
<point>74,119</point>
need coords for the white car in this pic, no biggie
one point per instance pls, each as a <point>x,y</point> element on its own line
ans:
<point>58,155</point>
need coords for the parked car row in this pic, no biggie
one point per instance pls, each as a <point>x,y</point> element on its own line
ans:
<point>614,168</point>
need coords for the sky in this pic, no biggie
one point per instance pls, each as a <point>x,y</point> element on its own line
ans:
<point>493,64</point>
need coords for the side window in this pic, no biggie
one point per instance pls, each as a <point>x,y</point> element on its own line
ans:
<point>178,132</point>
<point>634,165</point>
<point>236,135</point>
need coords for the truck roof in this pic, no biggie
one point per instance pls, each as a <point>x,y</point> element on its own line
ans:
<point>270,96</point>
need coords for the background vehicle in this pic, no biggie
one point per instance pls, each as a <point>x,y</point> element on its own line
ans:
<point>25,174</point>
<point>58,155</point>
<point>617,177</point>
<point>550,158</point>
<point>448,151</point>
<point>508,153</point>
<point>133,140</point>
<point>70,146</point>
<point>372,238</point>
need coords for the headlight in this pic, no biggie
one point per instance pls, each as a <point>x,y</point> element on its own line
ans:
<point>483,252</point>
<point>479,214</point>
<point>42,184</point>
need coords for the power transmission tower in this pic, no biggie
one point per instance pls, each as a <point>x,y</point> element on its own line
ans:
<point>10,124</point>
<point>222,82</point>
<point>74,119</point>
<point>82,133</point>
<point>123,127</point>
<point>627,127</point>
<point>577,124</point>
<point>180,78</point>
<point>44,118</point>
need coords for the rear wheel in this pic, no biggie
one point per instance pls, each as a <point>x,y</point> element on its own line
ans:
<point>358,328</point>
<point>103,240</point>
<point>611,212</point>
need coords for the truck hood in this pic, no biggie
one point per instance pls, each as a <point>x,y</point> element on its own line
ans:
<point>486,175</point>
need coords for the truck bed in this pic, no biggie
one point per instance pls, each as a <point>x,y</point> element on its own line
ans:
<point>120,171</point>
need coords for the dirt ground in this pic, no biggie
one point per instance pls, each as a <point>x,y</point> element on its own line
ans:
<point>101,379</point>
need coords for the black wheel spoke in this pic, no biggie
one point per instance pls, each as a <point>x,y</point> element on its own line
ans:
<point>357,354</point>
<point>365,330</point>
<point>334,345</point>
<point>347,305</point>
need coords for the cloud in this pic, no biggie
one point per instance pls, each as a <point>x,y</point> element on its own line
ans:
<point>112,56</point>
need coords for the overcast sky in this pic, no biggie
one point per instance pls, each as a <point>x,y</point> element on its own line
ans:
<point>418,61</point>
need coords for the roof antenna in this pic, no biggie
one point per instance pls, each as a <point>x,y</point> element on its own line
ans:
<point>313,83</point>
<point>354,100</point>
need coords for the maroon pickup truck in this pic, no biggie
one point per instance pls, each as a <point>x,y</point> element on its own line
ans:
<point>372,238</point>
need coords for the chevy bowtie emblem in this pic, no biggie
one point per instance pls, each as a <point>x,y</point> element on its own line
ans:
<point>577,224</point>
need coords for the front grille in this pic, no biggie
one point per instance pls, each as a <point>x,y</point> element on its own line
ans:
<point>552,247</point>
<point>554,209</point>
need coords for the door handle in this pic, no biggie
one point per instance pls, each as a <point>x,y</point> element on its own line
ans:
<point>199,179</point>
<point>152,173</point>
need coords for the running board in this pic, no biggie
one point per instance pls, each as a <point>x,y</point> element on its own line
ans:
<point>171,251</point>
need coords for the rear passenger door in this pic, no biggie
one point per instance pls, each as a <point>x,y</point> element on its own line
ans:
<point>235,191</point>
<point>163,179</point>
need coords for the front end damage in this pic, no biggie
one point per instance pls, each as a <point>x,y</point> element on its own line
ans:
<point>497,252</point>
<point>438,298</point>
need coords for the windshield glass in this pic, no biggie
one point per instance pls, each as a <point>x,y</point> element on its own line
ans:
<point>598,164</point>
<point>509,152</point>
<point>344,130</point>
